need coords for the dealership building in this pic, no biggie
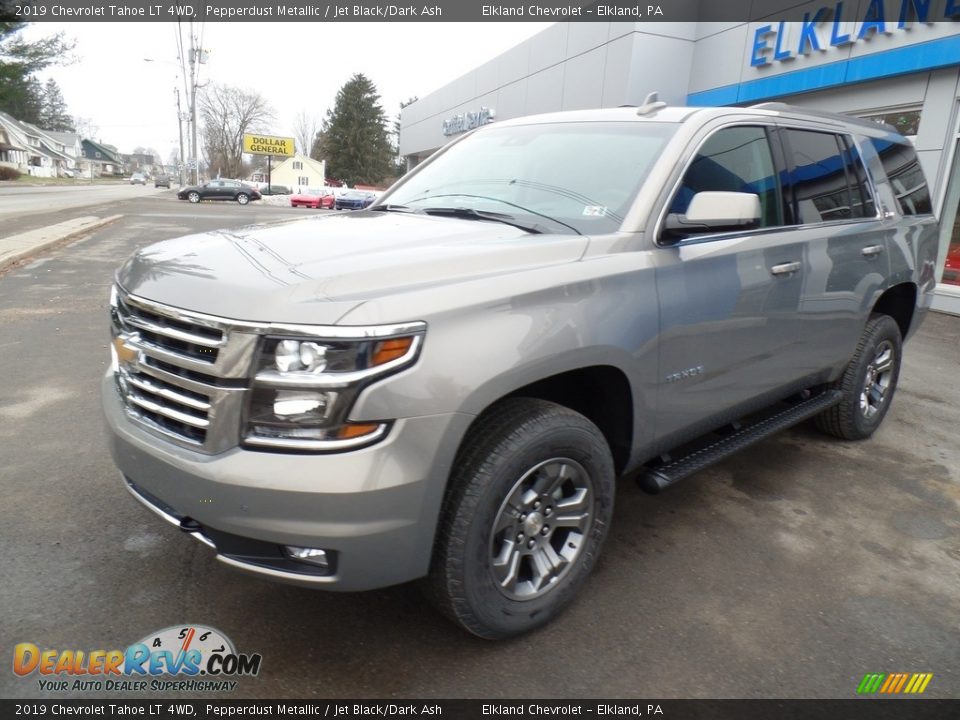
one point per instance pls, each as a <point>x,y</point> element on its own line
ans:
<point>900,65</point>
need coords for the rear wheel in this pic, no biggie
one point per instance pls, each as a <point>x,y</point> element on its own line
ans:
<point>243,198</point>
<point>526,514</point>
<point>867,384</point>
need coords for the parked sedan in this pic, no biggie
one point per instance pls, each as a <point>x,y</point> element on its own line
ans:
<point>275,190</point>
<point>220,190</point>
<point>314,198</point>
<point>354,200</point>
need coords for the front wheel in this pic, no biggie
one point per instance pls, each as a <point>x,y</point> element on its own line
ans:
<point>193,197</point>
<point>243,198</point>
<point>527,511</point>
<point>867,384</point>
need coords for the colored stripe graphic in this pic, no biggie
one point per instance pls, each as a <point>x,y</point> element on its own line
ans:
<point>870,683</point>
<point>894,683</point>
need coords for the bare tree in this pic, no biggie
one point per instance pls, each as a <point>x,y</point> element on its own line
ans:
<point>305,128</point>
<point>86,128</point>
<point>141,150</point>
<point>227,113</point>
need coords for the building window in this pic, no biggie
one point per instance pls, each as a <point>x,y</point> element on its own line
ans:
<point>950,225</point>
<point>303,180</point>
<point>297,165</point>
<point>907,122</point>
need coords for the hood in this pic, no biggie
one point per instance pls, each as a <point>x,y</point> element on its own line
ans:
<point>316,270</point>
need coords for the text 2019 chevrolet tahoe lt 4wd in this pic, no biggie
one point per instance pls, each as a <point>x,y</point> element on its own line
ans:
<point>447,384</point>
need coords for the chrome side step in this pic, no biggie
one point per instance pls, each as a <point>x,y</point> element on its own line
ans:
<point>653,479</point>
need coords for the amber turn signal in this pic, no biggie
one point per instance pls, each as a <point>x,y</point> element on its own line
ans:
<point>387,350</point>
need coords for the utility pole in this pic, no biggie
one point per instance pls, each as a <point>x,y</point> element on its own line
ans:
<point>193,107</point>
<point>180,164</point>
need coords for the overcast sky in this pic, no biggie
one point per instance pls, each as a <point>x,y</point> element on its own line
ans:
<point>294,65</point>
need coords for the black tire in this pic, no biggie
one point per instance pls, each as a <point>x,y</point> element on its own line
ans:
<point>521,454</point>
<point>865,404</point>
<point>243,198</point>
<point>193,197</point>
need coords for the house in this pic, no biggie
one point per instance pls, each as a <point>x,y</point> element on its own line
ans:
<point>13,154</point>
<point>69,144</point>
<point>30,150</point>
<point>99,159</point>
<point>298,172</point>
<point>139,162</point>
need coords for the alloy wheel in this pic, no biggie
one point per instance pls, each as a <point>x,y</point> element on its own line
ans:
<point>876,382</point>
<point>541,528</point>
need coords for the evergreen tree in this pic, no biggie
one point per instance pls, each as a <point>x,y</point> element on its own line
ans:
<point>54,115</point>
<point>356,142</point>
<point>21,95</point>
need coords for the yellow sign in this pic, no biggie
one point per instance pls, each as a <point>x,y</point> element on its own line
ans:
<point>268,145</point>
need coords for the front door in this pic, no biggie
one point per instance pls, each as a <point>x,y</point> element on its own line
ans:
<point>729,302</point>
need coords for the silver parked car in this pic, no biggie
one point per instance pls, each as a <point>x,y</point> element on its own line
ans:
<point>447,385</point>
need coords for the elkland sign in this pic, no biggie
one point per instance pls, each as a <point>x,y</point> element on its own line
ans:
<point>835,26</point>
<point>470,120</point>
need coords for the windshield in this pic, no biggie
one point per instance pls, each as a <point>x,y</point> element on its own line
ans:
<point>576,177</point>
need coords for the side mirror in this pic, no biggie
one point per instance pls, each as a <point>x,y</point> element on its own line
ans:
<point>715,212</point>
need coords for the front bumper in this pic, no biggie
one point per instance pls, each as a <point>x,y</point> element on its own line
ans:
<point>374,510</point>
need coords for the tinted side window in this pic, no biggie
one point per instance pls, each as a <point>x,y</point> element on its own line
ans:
<point>735,159</point>
<point>903,169</point>
<point>819,177</point>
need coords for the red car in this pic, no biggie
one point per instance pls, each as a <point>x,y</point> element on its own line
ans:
<point>314,198</point>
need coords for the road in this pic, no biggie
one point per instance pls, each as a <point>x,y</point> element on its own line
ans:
<point>20,200</point>
<point>790,570</point>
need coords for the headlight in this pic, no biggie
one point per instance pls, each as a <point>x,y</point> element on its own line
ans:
<point>304,389</point>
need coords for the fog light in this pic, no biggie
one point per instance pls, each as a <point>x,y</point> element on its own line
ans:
<point>313,556</point>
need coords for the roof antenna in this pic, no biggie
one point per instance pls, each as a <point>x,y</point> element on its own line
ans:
<point>650,104</point>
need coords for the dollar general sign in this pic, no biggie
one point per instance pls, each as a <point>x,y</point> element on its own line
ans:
<point>267,145</point>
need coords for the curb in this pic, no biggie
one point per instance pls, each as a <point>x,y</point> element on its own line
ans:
<point>16,248</point>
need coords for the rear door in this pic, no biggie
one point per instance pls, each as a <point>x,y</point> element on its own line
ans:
<point>839,222</point>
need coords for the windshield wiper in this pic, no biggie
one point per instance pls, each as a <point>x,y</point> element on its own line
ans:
<point>472,214</point>
<point>498,215</point>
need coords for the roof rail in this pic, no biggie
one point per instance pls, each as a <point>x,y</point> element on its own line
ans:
<point>838,117</point>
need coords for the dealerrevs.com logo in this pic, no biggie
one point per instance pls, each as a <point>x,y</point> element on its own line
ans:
<point>200,658</point>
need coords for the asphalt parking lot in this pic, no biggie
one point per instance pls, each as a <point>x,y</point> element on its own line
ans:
<point>790,570</point>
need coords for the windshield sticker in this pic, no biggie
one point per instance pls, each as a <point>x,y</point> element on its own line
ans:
<point>595,210</point>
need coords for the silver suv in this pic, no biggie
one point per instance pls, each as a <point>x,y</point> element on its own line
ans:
<point>447,385</point>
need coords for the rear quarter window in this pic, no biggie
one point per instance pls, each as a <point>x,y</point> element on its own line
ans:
<point>902,168</point>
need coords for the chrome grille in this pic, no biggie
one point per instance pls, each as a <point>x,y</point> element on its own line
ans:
<point>176,336</point>
<point>168,408</point>
<point>180,374</point>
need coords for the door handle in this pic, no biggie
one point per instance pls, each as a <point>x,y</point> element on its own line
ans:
<point>872,250</point>
<point>785,268</point>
